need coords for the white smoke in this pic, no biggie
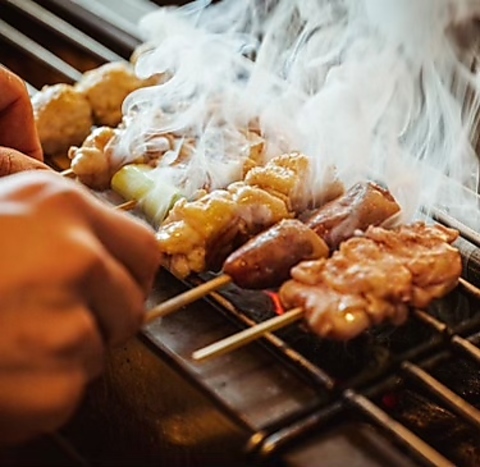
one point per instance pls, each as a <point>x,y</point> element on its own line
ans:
<point>378,89</point>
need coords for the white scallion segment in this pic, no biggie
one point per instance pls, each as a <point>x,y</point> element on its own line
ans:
<point>155,197</point>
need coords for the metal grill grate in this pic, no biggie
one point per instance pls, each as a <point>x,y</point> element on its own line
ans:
<point>359,395</point>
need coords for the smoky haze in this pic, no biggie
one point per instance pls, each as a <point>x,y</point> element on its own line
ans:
<point>377,89</point>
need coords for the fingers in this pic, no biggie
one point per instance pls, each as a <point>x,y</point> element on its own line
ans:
<point>131,241</point>
<point>49,351</point>
<point>133,244</point>
<point>17,123</point>
<point>34,403</point>
<point>115,298</point>
<point>12,161</point>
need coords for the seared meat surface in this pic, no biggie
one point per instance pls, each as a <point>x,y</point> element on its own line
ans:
<point>374,278</point>
<point>364,204</point>
<point>198,235</point>
<point>265,260</point>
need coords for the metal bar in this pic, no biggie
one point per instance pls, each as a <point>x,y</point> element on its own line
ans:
<point>466,346</point>
<point>65,29</point>
<point>465,231</point>
<point>454,401</point>
<point>469,288</point>
<point>318,375</point>
<point>423,450</point>
<point>38,52</point>
<point>125,22</point>
<point>428,319</point>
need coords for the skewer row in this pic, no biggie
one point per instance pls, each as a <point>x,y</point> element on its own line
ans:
<point>250,334</point>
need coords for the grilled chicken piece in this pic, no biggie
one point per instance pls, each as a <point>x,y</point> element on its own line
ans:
<point>92,162</point>
<point>63,118</point>
<point>106,87</point>
<point>425,250</point>
<point>364,204</point>
<point>198,235</point>
<point>374,278</point>
<point>280,177</point>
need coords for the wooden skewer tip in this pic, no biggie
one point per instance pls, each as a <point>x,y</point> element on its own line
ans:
<point>176,303</point>
<point>67,172</point>
<point>248,335</point>
<point>126,206</point>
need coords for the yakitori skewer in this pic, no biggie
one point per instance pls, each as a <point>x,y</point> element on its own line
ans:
<point>248,335</point>
<point>265,260</point>
<point>342,296</point>
<point>186,298</point>
<point>253,333</point>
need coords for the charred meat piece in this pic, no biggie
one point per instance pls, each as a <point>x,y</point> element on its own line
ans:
<point>266,260</point>
<point>374,278</point>
<point>199,235</point>
<point>364,204</point>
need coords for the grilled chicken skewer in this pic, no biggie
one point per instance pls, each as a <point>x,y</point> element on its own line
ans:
<point>371,279</point>
<point>265,260</point>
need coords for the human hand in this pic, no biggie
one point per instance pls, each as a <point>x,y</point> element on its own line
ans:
<point>20,147</point>
<point>74,275</point>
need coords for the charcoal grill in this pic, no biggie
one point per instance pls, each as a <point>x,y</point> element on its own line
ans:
<point>405,396</point>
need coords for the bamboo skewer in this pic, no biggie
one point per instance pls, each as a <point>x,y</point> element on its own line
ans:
<point>126,206</point>
<point>248,335</point>
<point>190,296</point>
<point>255,332</point>
<point>67,172</point>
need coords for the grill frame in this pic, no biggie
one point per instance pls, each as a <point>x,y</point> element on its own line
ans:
<point>323,403</point>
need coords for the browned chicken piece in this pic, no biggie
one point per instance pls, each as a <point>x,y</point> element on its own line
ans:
<point>63,118</point>
<point>281,177</point>
<point>106,87</point>
<point>426,252</point>
<point>365,204</point>
<point>92,162</point>
<point>198,235</point>
<point>374,278</point>
<point>265,260</point>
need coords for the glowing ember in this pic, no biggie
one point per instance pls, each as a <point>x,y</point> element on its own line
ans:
<point>277,304</point>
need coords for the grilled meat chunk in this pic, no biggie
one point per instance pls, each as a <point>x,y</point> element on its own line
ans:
<point>92,162</point>
<point>106,87</point>
<point>374,278</point>
<point>63,118</point>
<point>198,235</point>
<point>364,204</point>
<point>265,260</point>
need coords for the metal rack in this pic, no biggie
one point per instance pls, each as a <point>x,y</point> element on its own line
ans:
<point>357,396</point>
